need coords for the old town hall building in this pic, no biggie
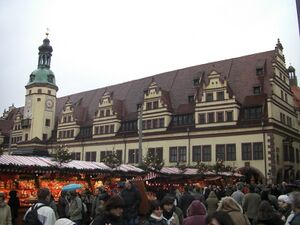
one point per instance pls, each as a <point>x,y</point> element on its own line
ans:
<point>244,111</point>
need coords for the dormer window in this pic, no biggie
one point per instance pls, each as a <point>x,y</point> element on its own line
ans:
<point>149,106</point>
<point>220,95</point>
<point>32,77</point>
<point>259,71</point>
<point>196,82</point>
<point>191,99</point>
<point>256,90</point>
<point>50,78</point>
<point>209,97</point>
<point>155,105</point>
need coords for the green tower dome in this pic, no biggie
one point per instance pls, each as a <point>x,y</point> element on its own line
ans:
<point>43,75</point>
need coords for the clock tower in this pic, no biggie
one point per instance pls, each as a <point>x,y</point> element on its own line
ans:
<point>40,100</point>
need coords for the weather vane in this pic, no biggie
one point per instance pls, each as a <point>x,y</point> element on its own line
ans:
<point>47,32</point>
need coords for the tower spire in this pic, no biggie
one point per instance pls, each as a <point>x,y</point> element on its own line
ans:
<point>45,53</point>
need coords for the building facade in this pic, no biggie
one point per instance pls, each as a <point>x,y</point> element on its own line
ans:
<point>244,111</point>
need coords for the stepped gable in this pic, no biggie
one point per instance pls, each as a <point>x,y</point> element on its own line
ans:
<point>240,73</point>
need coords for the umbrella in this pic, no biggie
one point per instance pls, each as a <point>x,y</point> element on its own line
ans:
<point>71,187</point>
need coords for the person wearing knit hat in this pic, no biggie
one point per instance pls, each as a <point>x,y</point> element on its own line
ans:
<point>5,213</point>
<point>64,221</point>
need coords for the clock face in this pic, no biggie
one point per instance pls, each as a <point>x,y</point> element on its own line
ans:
<point>49,103</point>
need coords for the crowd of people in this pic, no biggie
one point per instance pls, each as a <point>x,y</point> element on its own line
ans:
<point>239,204</point>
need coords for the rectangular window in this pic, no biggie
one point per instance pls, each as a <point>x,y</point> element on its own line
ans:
<point>202,118</point>
<point>102,156</point>
<point>258,151</point>
<point>26,137</point>
<point>246,151</point>
<point>106,129</point>
<point>39,91</point>
<point>230,152</point>
<point>259,71</point>
<point>220,95</point>
<point>196,155</point>
<point>96,130</point>
<point>107,112</point>
<point>101,130</point>
<point>256,90</point>
<point>161,122</point>
<point>206,153</point>
<point>229,116</point>
<point>209,97</point>
<point>45,136</point>
<point>90,156</point>
<point>47,123</point>
<point>155,105</point>
<point>148,105</point>
<point>101,113</point>
<point>253,113</point>
<point>156,152</point>
<point>65,119</point>
<point>211,117</point>
<point>220,116</point>
<point>289,121</point>
<point>75,155</point>
<point>69,118</point>
<point>112,128</point>
<point>182,154</point>
<point>133,156</point>
<point>173,154</point>
<point>220,152</point>
<point>119,155</point>
<point>191,99</point>
<point>59,134</point>
<point>148,124</point>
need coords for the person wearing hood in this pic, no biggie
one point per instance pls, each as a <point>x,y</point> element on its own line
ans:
<point>234,210</point>
<point>212,202</point>
<point>196,214</point>
<point>169,214</point>
<point>5,213</point>
<point>113,212</point>
<point>156,214</point>
<point>266,215</point>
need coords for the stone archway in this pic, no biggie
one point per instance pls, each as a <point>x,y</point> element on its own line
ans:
<point>252,175</point>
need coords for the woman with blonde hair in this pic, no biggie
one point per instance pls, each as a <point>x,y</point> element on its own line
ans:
<point>234,210</point>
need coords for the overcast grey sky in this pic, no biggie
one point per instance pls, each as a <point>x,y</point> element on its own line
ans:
<point>101,43</point>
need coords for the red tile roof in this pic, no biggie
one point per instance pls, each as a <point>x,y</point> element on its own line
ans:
<point>178,85</point>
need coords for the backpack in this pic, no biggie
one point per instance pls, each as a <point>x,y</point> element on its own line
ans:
<point>31,217</point>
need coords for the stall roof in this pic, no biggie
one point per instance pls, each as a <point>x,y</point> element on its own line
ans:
<point>46,162</point>
<point>25,161</point>
<point>128,168</point>
<point>85,165</point>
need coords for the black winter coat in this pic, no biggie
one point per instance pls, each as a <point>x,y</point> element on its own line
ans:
<point>107,218</point>
<point>132,199</point>
<point>152,221</point>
